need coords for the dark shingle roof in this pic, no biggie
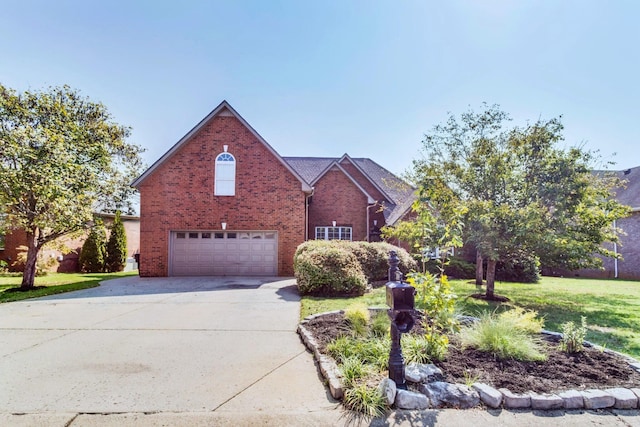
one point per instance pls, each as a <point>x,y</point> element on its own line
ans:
<point>630,194</point>
<point>309,168</point>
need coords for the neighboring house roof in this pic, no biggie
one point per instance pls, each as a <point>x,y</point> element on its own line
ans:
<point>223,109</point>
<point>630,194</point>
<point>399,194</point>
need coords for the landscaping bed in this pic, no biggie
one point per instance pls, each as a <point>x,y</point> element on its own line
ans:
<point>593,368</point>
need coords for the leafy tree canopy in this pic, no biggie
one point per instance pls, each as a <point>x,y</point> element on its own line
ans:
<point>61,158</point>
<point>519,191</point>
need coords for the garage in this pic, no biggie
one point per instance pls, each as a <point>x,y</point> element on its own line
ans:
<point>224,253</point>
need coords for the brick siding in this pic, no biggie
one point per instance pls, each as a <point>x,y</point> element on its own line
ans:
<point>179,195</point>
<point>337,198</point>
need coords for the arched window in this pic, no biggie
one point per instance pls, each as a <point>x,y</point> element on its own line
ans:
<point>225,175</point>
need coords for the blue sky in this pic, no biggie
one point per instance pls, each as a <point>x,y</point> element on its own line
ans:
<point>322,78</point>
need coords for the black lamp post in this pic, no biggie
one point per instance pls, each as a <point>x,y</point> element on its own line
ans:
<point>401,300</point>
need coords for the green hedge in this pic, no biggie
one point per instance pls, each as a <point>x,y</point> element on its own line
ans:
<point>344,268</point>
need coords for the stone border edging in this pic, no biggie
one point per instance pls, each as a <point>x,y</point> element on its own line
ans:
<point>616,398</point>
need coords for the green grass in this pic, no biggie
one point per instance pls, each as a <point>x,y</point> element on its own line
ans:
<point>55,283</point>
<point>612,307</point>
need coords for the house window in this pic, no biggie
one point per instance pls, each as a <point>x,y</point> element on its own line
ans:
<point>225,175</point>
<point>333,233</point>
<point>1,241</point>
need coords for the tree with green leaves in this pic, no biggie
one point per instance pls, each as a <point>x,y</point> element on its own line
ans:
<point>521,193</point>
<point>61,158</point>
<point>116,246</point>
<point>93,254</point>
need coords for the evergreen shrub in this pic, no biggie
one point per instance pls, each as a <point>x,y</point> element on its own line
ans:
<point>94,249</point>
<point>116,247</point>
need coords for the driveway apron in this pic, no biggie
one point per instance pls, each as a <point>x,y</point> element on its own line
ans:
<point>159,344</point>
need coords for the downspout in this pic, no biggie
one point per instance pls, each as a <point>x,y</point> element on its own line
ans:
<point>367,229</point>
<point>615,252</point>
<point>306,214</point>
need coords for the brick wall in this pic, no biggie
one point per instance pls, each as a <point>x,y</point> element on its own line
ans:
<point>178,195</point>
<point>68,248</point>
<point>337,198</point>
<point>629,248</point>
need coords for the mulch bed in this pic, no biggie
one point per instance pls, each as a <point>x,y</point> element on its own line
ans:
<point>589,369</point>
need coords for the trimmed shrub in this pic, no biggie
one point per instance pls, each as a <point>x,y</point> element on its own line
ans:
<point>520,267</point>
<point>116,247</point>
<point>372,258</point>
<point>94,249</point>
<point>456,268</point>
<point>329,270</point>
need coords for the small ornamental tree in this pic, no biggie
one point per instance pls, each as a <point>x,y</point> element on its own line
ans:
<point>62,157</point>
<point>116,246</point>
<point>518,192</point>
<point>94,250</point>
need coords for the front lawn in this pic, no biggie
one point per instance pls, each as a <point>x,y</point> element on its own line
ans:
<point>54,283</point>
<point>612,307</point>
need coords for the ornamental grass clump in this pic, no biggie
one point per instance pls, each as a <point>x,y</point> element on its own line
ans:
<point>352,369</point>
<point>525,320</point>
<point>424,348</point>
<point>374,352</point>
<point>380,325</point>
<point>500,336</point>
<point>365,400</point>
<point>358,317</point>
<point>573,336</point>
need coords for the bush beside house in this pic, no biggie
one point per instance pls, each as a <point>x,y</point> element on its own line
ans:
<point>332,268</point>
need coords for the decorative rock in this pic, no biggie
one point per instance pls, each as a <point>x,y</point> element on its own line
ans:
<point>422,373</point>
<point>546,401</point>
<point>572,399</point>
<point>488,395</point>
<point>455,395</point>
<point>515,401</point>
<point>625,398</point>
<point>411,400</point>
<point>388,389</point>
<point>635,366</point>
<point>636,391</point>
<point>597,399</point>
<point>330,371</point>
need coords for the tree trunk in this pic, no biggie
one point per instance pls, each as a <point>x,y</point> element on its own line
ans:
<point>479,272</point>
<point>491,278</point>
<point>29,275</point>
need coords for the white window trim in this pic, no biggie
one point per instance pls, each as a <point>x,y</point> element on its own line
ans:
<point>323,232</point>
<point>229,167</point>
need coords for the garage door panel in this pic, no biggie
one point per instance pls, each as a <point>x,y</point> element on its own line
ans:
<point>226,253</point>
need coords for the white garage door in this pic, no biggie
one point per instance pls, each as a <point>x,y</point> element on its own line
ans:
<point>224,253</point>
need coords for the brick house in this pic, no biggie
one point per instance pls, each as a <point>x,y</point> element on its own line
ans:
<point>66,261</point>
<point>629,247</point>
<point>222,201</point>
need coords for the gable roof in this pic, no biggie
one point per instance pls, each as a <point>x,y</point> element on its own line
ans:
<point>337,165</point>
<point>222,109</point>
<point>399,194</point>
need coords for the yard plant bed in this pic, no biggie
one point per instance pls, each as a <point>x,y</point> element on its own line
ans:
<point>592,368</point>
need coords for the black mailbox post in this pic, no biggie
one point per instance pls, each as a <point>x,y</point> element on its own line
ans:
<point>401,302</point>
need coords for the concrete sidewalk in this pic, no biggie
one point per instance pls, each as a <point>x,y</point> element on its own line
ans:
<point>188,352</point>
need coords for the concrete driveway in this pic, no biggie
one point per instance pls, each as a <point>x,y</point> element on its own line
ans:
<point>159,344</point>
<point>189,352</point>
